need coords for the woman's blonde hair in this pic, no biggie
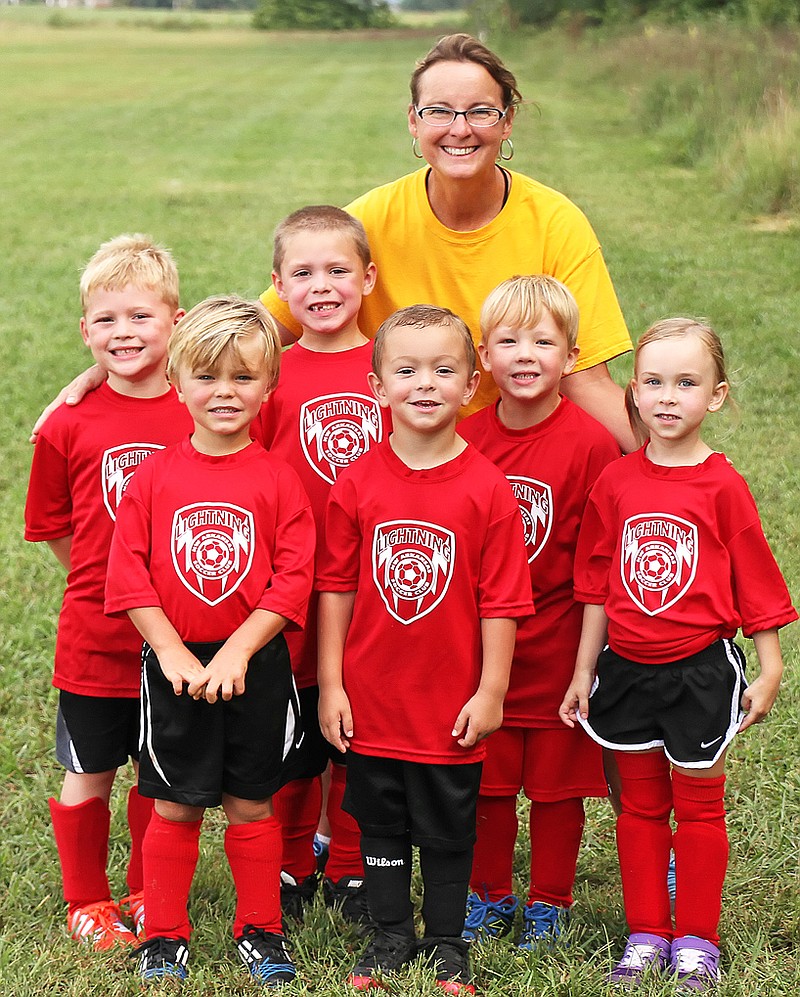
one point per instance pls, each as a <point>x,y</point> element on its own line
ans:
<point>674,328</point>
<point>215,328</point>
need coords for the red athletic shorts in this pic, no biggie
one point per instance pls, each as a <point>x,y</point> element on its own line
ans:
<point>548,763</point>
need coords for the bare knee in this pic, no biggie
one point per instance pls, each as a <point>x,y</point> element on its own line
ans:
<point>239,811</point>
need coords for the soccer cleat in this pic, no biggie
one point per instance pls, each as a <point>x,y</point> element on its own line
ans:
<point>295,896</point>
<point>100,925</point>
<point>643,953</point>
<point>350,896</point>
<point>541,923</point>
<point>162,958</point>
<point>386,952</point>
<point>695,962</point>
<point>450,959</point>
<point>488,918</point>
<point>133,906</point>
<point>265,956</point>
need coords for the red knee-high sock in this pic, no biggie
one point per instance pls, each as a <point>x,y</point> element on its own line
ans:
<point>254,855</point>
<point>493,857</point>
<point>169,856</point>
<point>556,832</point>
<point>644,839</point>
<point>81,834</point>
<point>297,807</point>
<point>344,857</point>
<point>140,810</point>
<point>701,854</point>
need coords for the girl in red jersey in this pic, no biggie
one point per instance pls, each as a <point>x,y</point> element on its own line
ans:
<point>671,562</point>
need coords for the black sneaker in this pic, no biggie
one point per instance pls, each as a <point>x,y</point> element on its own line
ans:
<point>162,958</point>
<point>295,896</point>
<point>450,959</point>
<point>350,896</point>
<point>265,956</point>
<point>386,952</point>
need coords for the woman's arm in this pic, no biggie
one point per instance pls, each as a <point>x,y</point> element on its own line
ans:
<point>600,396</point>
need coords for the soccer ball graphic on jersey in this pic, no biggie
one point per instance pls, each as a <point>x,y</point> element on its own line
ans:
<point>212,548</point>
<point>656,567</point>
<point>411,573</point>
<point>213,555</point>
<point>658,559</point>
<point>343,443</point>
<point>412,565</point>
<point>336,429</point>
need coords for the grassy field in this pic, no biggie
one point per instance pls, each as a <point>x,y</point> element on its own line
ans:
<point>205,138</point>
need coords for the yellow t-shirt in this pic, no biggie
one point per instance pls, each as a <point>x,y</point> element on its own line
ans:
<point>420,261</point>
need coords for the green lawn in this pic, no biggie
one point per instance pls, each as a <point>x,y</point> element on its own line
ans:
<point>205,139</point>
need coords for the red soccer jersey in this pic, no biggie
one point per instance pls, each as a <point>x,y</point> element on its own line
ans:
<point>211,539</point>
<point>551,467</point>
<point>678,557</point>
<point>319,419</point>
<point>428,553</point>
<point>82,463</point>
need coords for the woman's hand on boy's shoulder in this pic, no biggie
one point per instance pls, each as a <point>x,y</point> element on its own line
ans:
<point>72,394</point>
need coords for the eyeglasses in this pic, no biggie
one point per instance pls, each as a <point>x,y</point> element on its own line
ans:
<point>477,117</point>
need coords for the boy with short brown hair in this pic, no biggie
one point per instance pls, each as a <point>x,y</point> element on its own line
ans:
<point>422,579</point>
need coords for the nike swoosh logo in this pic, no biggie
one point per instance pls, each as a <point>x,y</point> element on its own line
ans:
<point>707,744</point>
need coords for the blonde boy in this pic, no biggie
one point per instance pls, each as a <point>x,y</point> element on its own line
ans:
<point>422,580</point>
<point>320,418</point>
<point>212,557</point>
<point>551,452</point>
<point>82,464</point>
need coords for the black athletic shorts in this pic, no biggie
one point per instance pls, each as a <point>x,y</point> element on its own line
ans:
<point>315,751</point>
<point>96,733</point>
<point>192,751</point>
<point>691,707</point>
<point>435,803</point>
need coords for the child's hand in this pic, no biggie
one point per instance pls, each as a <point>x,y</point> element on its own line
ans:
<point>758,699</point>
<point>575,703</point>
<point>336,718</point>
<point>180,667</point>
<point>479,717</point>
<point>223,676</point>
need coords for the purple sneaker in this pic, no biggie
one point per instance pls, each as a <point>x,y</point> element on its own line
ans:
<point>641,952</point>
<point>695,962</point>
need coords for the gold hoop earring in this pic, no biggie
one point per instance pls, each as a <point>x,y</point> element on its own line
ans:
<point>415,149</point>
<point>510,150</point>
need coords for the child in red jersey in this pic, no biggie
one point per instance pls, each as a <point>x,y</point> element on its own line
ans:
<point>671,562</point>
<point>551,451</point>
<point>212,557</point>
<point>422,580</point>
<point>319,419</point>
<point>82,464</point>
